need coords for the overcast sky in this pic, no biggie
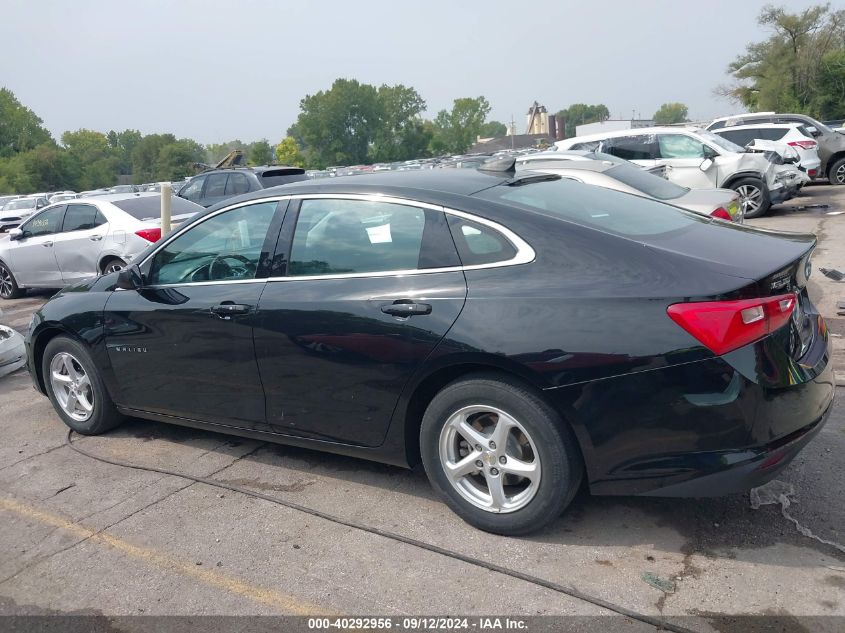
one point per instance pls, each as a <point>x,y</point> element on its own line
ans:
<point>217,70</point>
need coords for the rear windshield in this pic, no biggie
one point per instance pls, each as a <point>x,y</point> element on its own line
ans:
<point>273,177</point>
<point>649,184</point>
<point>595,207</point>
<point>149,207</point>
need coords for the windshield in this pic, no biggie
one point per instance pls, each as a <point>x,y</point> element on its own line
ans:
<point>595,207</point>
<point>24,203</point>
<point>649,184</point>
<point>717,140</point>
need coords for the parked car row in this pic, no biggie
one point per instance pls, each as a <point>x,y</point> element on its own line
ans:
<point>77,239</point>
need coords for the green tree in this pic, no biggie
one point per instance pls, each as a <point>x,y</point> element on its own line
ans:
<point>784,73</point>
<point>215,152</point>
<point>581,114</point>
<point>43,168</point>
<point>287,153</point>
<point>145,156</point>
<point>671,113</point>
<point>176,160</point>
<point>457,129</point>
<point>493,129</point>
<point>260,153</point>
<point>400,133</point>
<point>20,129</point>
<point>122,145</point>
<point>337,125</point>
<point>829,101</point>
<point>95,162</point>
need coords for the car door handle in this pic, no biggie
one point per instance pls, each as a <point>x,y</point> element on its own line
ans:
<point>403,308</point>
<point>228,310</point>
<point>95,238</point>
<point>47,244</point>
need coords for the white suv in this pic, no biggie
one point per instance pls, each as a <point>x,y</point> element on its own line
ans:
<point>785,138</point>
<point>698,159</point>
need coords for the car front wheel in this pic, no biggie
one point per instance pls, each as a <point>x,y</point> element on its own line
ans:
<point>76,389</point>
<point>499,455</point>
<point>753,197</point>
<point>8,286</point>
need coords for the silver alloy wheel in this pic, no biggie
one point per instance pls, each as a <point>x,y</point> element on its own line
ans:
<point>5,282</point>
<point>490,459</point>
<point>113,266</point>
<point>839,176</point>
<point>750,197</point>
<point>71,386</point>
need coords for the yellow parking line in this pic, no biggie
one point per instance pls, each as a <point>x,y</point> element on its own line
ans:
<point>285,603</point>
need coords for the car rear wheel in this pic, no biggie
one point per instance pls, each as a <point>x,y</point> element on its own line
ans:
<point>753,197</point>
<point>836,175</point>
<point>8,286</point>
<point>75,388</point>
<point>113,265</point>
<point>499,455</point>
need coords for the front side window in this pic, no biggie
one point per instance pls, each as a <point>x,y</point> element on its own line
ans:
<point>680,146</point>
<point>81,217</point>
<point>45,223</point>
<point>358,236</point>
<point>224,247</point>
<point>193,190</point>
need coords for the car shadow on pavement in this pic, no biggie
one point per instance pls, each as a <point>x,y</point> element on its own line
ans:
<point>713,527</point>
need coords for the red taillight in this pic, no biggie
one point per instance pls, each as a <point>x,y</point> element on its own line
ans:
<point>808,144</point>
<point>722,214</point>
<point>812,173</point>
<point>723,326</point>
<point>151,235</point>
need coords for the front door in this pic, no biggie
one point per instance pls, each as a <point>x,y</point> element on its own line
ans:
<point>685,155</point>
<point>339,336</point>
<point>33,257</point>
<point>182,345</point>
<point>78,245</point>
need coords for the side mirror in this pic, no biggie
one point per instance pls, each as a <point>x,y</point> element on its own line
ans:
<point>15,234</point>
<point>706,164</point>
<point>130,278</point>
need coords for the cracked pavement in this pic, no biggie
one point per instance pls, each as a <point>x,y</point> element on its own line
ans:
<point>80,535</point>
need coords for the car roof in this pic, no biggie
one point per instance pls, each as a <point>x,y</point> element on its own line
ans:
<point>659,129</point>
<point>756,126</point>
<point>597,166</point>
<point>430,185</point>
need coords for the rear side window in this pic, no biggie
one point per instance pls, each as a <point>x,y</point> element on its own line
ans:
<point>740,137</point>
<point>595,207</point>
<point>649,184</point>
<point>357,236</point>
<point>635,147</point>
<point>149,207</point>
<point>215,186</point>
<point>478,243</point>
<point>237,184</point>
<point>81,217</point>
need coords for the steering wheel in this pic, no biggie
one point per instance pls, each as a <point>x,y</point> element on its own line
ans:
<point>228,271</point>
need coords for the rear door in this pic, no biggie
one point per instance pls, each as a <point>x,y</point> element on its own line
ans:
<point>33,257</point>
<point>78,245</point>
<point>215,189</point>
<point>360,307</point>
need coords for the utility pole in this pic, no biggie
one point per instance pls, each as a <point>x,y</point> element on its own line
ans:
<point>513,131</point>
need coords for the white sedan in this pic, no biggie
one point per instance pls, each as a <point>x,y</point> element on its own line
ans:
<point>70,241</point>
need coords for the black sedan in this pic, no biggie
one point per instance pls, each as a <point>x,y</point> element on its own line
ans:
<point>518,333</point>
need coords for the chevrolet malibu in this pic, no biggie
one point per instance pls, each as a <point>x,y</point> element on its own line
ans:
<point>516,332</point>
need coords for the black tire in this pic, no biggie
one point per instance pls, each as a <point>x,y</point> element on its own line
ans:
<point>104,415</point>
<point>556,448</point>
<point>743,185</point>
<point>113,264</point>
<point>836,173</point>
<point>8,284</point>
